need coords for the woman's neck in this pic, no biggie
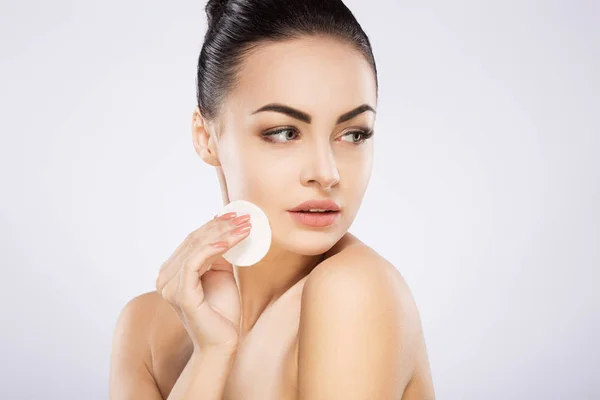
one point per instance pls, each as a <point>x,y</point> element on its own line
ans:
<point>263,283</point>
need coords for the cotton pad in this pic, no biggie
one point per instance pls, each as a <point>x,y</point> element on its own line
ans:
<point>254,246</point>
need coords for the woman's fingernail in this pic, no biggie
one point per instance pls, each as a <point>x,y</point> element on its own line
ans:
<point>226,216</point>
<point>242,229</point>
<point>241,219</point>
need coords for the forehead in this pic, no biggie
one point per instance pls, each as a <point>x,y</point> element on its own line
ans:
<point>318,75</point>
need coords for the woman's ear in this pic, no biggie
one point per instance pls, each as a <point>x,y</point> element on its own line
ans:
<point>204,139</point>
<point>205,146</point>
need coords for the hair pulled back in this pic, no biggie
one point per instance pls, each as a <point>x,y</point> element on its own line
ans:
<point>235,27</point>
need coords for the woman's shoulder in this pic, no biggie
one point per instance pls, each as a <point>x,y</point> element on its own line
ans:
<point>156,340</point>
<point>142,311</point>
<point>352,259</point>
<point>159,325</point>
<point>151,308</point>
<point>354,280</point>
<point>358,312</point>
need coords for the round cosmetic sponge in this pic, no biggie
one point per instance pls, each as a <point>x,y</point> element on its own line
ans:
<point>256,245</point>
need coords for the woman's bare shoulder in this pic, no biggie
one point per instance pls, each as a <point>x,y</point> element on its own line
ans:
<point>356,304</point>
<point>149,338</point>
<point>352,269</point>
<point>352,256</point>
<point>163,320</point>
<point>151,308</point>
<point>356,271</point>
<point>157,321</point>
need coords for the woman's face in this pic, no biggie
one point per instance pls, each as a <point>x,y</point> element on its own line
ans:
<point>301,160</point>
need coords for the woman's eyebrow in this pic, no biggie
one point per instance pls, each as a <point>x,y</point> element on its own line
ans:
<point>304,117</point>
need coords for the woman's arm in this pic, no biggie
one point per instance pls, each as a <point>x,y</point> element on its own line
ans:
<point>204,376</point>
<point>131,360</point>
<point>420,386</point>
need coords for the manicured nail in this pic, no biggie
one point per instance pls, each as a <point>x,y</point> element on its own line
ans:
<point>241,219</point>
<point>242,229</point>
<point>226,216</point>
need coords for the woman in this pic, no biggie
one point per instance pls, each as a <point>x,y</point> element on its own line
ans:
<point>287,93</point>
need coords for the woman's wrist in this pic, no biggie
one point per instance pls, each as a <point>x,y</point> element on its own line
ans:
<point>216,353</point>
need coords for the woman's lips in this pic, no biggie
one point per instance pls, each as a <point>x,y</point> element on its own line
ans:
<point>315,219</point>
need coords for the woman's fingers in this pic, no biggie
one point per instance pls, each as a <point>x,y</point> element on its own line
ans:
<point>197,263</point>
<point>174,291</point>
<point>211,317</point>
<point>190,293</point>
<point>171,267</point>
<point>209,232</point>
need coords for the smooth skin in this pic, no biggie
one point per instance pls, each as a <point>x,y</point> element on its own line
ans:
<point>322,316</point>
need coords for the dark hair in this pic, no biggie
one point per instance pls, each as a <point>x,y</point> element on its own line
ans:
<point>236,27</point>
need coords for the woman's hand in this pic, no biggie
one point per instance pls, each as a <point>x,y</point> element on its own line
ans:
<point>200,286</point>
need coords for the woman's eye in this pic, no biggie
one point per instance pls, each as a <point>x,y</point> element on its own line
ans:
<point>286,135</point>
<point>358,137</point>
<point>281,135</point>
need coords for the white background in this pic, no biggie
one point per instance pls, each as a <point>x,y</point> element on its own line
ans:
<point>484,193</point>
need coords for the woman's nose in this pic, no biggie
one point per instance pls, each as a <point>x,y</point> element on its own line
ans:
<point>321,168</point>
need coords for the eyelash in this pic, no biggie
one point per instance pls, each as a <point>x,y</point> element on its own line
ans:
<point>366,134</point>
